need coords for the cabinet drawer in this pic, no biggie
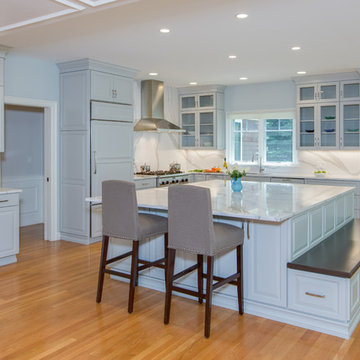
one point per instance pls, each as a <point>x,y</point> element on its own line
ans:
<point>145,183</point>
<point>9,200</point>
<point>317,294</point>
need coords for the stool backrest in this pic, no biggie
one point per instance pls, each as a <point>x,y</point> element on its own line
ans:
<point>190,219</point>
<point>119,209</point>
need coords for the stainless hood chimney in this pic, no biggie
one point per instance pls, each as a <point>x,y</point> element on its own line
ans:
<point>152,109</point>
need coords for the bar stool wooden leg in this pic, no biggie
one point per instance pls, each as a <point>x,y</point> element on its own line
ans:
<point>209,290</point>
<point>239,256</point>
<point>169,282</point>
<point>134,270</point>
<point>104,251</point>
<point>166,254</point>
<point>200,271</point>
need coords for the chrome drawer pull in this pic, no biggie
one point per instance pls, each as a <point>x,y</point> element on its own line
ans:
<point>315,295</point>
<point>3,201</point>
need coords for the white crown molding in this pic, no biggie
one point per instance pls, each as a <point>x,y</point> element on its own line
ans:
<point>73,8</point>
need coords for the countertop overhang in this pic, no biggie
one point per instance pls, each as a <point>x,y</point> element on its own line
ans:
<point>258,201</point>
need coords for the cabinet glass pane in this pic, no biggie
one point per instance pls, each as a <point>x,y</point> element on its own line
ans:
<point>206,100</point>
<point>351,125</point>
<point>328,125</point>
<point>351,90</point>
<point>307,126</point>
<point>188,102</point>
<point>307,93</point>
<point>206,129</point>
<point>188,140</point>
<point>327,92</point>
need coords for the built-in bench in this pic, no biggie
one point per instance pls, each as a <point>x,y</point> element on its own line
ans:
<point>325,281</point>
<point>338,255</point>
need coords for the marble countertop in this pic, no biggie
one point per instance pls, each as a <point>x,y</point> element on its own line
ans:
<point>9,191</point>
<point>272,202</point>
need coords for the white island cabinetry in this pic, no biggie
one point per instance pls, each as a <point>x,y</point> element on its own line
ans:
<point>281,222</point>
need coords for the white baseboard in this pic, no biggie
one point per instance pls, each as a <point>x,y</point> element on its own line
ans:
<point>8,260</point>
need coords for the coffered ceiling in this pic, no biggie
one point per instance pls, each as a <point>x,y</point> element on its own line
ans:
<point>203,33</point>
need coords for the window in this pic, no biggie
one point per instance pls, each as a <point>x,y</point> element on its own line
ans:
<point>269,135</point>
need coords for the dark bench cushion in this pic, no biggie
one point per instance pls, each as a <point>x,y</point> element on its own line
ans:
<point>338,255</point>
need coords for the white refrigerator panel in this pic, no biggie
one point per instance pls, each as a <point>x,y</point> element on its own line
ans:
<point>112,159</point>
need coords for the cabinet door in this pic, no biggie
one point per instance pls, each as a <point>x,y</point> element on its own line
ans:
<point>188,102</point>
<point>328,125</point>
<point>306,93</point>
<point>328,92</point>
<point>123,90</point>
<point>206,129</point>
<point>206,101</point>
<point>350,90</point>
<point>306,126</point>
<point>350,125</point>
<point>101,86</point>
<point>9,237</point>
<point>188,123</point>
<point>2,128</point>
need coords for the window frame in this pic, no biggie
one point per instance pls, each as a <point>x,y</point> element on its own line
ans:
<point>261,116</point>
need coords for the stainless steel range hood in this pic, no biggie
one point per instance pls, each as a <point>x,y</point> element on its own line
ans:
<point>152,109</point>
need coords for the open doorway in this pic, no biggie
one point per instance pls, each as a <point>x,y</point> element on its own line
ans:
<point>22,165</point>
<point>48,109</point>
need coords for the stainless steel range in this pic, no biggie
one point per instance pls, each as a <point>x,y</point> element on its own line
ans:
<point>166,178</point>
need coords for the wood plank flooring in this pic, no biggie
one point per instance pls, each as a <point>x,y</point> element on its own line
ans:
<point>48,311</point>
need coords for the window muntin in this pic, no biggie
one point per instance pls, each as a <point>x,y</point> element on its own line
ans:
<point>267,134</point>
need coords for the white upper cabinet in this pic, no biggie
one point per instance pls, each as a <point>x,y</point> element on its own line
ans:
<point>350,90</point>
<point>202,116</point>
<point>111,88</point>
<point>350,124</point>
<point>318,126</point>
<point>328,112</point>
<point>308,93</point>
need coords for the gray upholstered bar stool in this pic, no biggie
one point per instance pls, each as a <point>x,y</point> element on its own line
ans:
<point>191,228</point>
<point>120,219</point>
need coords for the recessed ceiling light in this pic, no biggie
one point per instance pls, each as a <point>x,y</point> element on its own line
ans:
<point>242,16</point>
<point>301,72</point>
<point>193,83</point>
<point>232,56</point>
<point>153,74</point>
<point>165,31</point>
<point>296,48</point>
<point>243,78</point>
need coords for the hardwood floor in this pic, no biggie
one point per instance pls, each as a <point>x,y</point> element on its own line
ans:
<point>48,311</point>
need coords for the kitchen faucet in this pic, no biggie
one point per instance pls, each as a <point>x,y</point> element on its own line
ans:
<point>259,157</point>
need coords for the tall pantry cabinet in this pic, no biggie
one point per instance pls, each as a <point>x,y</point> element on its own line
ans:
<point>96,140</point>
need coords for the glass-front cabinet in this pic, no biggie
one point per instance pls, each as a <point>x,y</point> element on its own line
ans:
<point>350,129</point>
<point>318,126</point>
<point>350,90</point>
<point>197,101</point>
<point>328,112</point>
<point>203,118</point>
<point>318,92</point>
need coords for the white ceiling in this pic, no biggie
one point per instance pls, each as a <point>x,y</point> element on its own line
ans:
<point>203,34</point>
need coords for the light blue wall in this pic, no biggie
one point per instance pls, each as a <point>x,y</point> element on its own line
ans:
<point>24,142</point>
<point>31,78</point>
<point>263,96</point>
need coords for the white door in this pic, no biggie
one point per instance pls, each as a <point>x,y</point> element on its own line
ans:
<point>112,159</point>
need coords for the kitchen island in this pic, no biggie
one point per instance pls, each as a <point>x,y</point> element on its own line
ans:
<point>282,222</point>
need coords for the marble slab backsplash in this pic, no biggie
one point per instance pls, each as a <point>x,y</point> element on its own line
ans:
<point>159,150</point>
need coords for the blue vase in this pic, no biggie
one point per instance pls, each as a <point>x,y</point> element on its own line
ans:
<point>236,185</point>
